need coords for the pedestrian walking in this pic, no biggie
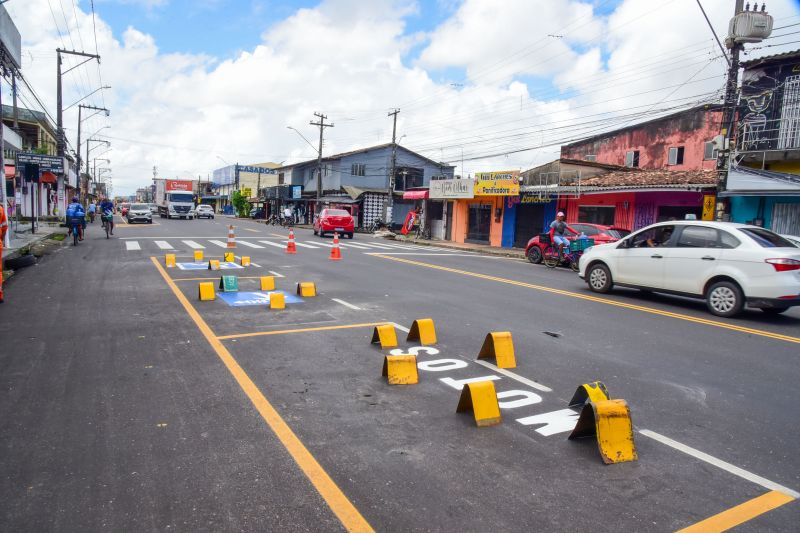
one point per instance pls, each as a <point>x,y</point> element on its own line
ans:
<point>3,231</point>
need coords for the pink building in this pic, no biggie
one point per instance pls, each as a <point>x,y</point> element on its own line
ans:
<point>681,141</point>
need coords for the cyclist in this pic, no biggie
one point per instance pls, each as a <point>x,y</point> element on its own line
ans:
<point>76,216</point>
<point>107,214</point>
<point>557,232</point>
<point>92,209</point>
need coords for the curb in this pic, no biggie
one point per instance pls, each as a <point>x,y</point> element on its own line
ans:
<point>16,253</point>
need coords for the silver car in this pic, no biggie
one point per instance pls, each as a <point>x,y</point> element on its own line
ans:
<point>139,213</point>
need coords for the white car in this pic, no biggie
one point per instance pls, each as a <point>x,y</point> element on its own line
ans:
<point>794,239</point>
<point>139,213</point>
<point>204,211</point>
<point>728,265</point>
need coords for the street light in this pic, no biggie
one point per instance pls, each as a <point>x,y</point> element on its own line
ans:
<point>303,137</point>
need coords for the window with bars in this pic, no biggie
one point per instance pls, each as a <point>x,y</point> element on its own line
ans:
<point>789,132</point>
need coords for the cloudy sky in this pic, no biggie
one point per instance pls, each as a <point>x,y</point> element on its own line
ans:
<point>497,84</point>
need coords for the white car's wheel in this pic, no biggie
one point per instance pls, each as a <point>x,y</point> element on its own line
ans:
<point>725,299</point>
<point>599,278</point>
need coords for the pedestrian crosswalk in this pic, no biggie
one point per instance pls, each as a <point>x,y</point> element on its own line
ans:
<point>201,244</point>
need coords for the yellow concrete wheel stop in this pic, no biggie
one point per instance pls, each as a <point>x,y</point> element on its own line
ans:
<point>198,256</point>
<point>422,331</point>
<point>386,335</point>
<point>610,422</point>
<point>245,261</point>
<point>229,284</point>
<point>229,257</point>
<point>267,283</point>
<point>206,291</point>
<point>592,392</point>
<point>277,301</point>
<point>169,260</point>
<point>213,264</point>
<point>401,369</point>
<point>499,346</point>
<point>480,398</point>
<point>306,289</point>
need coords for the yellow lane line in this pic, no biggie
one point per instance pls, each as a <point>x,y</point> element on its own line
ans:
<point>303,330</point>
<point>740,514</point>
<point>341,506</point>
<point>651,310</point>
<point>211,279</point>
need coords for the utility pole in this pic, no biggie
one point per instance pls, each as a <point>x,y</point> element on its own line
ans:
<point>390,196</point>
<point>60,143</point>
<point>78,147</point>
<point>322,127</point>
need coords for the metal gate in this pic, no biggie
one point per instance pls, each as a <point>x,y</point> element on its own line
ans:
<point>786,219</point>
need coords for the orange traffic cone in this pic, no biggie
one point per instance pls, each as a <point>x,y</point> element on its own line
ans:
<point>290,246</point>
<point>231,238</point>
<point>336,253</point>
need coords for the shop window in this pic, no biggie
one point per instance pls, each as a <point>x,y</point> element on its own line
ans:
<point>675,156</point>
<point>358,169</point>
<point>281,178</point>
<point>597,214</point>
<point>632,158</point>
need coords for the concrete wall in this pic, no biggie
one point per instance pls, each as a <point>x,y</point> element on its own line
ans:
<point>653,141</point>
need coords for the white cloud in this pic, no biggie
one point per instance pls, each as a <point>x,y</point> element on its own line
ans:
<point>346,58</point>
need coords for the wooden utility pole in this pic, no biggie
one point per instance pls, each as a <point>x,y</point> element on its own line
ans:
<point>322,127</point>
<point>390,196</point>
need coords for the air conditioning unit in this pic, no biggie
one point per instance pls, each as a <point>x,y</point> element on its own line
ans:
<point>749,27</point>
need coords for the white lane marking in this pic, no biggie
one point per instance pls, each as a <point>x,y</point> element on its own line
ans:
<point>275,274</point>
<point>164,245</point>
<point>353,245</point>
<point>132,245</point>
<point>193,244</point>
<point>303,245</point>
<point>372,245</point>
<point>398,326</point>
<point>249,244</point>
<point>443,254</point>
<point>276,244</point>
<point>351,306</point>
<point>512,375</point>
<point>219,243</point>
<point>719,463</point>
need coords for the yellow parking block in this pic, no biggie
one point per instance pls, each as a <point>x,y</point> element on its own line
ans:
<point>198,256</point>
<point>206,291</point>
<point>267,283</point>
<point>401,369</point>
<point>499,346</point>
<point>594,391</point>
<point>169,260</point>
<point>422,331</point>
<point>481,399</point>
<point>610,422</point>
<point>386,335</point>
<point>229,257</point>
<point>306,289</point>
<point>245,261</point>
<point>213,264</point>
<point>277,301</point>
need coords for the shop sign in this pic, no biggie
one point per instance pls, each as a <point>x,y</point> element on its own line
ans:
<point>534,198</point>
<point>709,203</point>
<point>247,192</point>
<point>452,189</point>
<point>297,192</point>
<point>501,183</point>
<point>255,170</point>
<point>47,163</point>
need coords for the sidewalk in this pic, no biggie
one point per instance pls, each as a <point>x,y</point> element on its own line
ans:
<point>516,253</point>
<point>22,237</point>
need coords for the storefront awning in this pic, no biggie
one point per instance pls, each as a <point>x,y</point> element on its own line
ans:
<point>415,195</point>
<point>10,171</point>
<point>48,177</point>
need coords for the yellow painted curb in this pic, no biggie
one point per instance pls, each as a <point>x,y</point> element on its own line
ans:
<point>229,257</point>
<point>198,256</point>
<point>594,392</point>
<point>245,261</point>
<point>306,289</point>
<point>169,260</point>
<point>267,283</point>
<point>277,301</point>
<point>213,264</point>
<point>206,291</point>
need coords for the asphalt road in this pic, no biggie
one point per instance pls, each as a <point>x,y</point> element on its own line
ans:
<point>127,404</point>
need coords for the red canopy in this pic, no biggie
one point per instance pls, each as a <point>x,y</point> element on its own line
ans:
<point>48,177</point>
<point>10,171</point>
<point>415,195</point>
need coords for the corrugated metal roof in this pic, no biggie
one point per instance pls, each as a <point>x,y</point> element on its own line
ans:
<point>635,180</point>
<point>750,63</point>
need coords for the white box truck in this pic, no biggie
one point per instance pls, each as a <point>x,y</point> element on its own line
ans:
<point>174,198</point>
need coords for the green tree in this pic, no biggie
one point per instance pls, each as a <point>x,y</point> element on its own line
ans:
<point>240,204</point>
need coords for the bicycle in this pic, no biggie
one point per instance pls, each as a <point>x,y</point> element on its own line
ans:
<point>108,224</point>
<point>75,227</point>
<point>377,225</point>
<point>554,255</point>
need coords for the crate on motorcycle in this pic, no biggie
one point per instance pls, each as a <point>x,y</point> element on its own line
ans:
<point>544,238</point>
<point>578,245</point>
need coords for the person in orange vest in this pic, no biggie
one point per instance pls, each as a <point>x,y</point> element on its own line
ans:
<point>3,231</point>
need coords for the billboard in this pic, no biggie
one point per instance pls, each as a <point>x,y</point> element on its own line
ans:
<point>500,183</point>
<point>451,189</point>
<point>224,175</point>
<point>179,185</point>
<point>10,39</point>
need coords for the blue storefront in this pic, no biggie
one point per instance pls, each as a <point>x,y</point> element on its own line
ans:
<point>525,216</point>
<point>765,198</point>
